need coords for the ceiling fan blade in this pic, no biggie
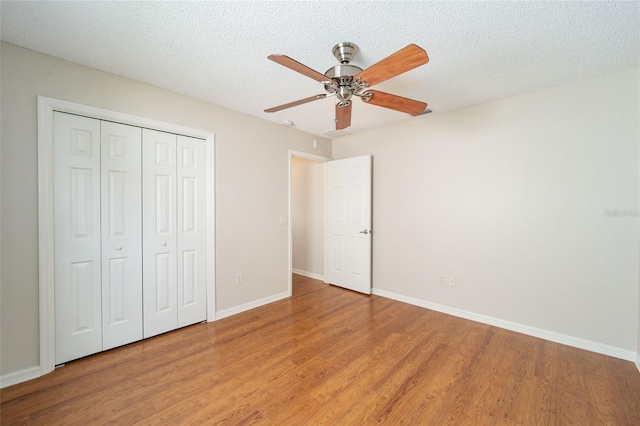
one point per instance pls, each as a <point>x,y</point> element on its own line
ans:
<point>402,61</point>
<point>297,66</point>
<point>395,102</point>
<point>298,102</point>
<point>343,116</point>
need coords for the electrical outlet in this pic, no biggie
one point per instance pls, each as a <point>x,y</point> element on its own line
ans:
<point>239,279</point>
<point>441,280</point>
<point>452,280</point>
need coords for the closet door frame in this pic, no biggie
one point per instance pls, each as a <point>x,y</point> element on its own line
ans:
<point>46,107</point>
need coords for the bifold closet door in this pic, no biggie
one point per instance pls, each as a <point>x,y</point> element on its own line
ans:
<point>174,231</point>
<point>121,234</point>
<point>98,235</point>
<point>76,205</point>
<point>160,273</point>
<point>192,231</point>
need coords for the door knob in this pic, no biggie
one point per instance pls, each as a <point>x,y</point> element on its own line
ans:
<point>365,232</point>
<point>164,244</point>
<point>118,247</point>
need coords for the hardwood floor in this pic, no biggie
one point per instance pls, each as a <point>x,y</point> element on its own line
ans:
<point>335,357</point>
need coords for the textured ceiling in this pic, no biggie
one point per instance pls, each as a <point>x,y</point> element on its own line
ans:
<point>217,51</point>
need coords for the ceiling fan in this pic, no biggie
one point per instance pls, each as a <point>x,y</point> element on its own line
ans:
<point>346,80</point>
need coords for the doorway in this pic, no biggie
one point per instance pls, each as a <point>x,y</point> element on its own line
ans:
<point>306,254</point>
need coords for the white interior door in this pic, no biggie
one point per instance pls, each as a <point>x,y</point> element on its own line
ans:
<point>192,235</point>
<point>76,187</point>
<point>160,274</point>
<point>113,226</point>
<point>348,231</point>
<point>121,234</point>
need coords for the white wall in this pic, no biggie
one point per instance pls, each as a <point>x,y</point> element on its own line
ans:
<point>251,185</point>
<point>307,214</point>
<point>510,197</point>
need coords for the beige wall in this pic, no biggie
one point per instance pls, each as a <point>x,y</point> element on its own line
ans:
<point>251,185</point>
<point>510,197</point>
<point>307,214</point>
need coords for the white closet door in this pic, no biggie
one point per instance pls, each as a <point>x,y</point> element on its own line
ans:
<point>192,235</point>
<point>76,186</point>
<point>121,234</point>
<point>159,232</point>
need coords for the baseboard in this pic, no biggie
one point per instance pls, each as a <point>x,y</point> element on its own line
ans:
<point>552,336</point>
<point>20,376</point>
<point>251,305</point>
<point>637,362</point>
<point>308,274</point>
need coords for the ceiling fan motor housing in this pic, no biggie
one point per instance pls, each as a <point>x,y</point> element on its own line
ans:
<point>343,71</point>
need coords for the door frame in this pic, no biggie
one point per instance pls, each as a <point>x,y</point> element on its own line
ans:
<point>46,107</point>
<point>306,156</point>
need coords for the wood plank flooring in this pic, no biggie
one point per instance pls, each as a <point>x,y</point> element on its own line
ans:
<point>329,356</point>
